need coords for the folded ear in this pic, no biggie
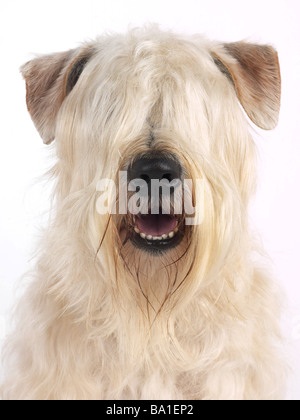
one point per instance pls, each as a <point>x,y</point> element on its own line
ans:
<point>254,71</point>
<point>49,79</point>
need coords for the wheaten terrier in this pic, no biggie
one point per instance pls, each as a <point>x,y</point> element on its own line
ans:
<point>149,293</point>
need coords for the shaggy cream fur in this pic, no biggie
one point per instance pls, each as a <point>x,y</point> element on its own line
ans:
<point>102,319</point>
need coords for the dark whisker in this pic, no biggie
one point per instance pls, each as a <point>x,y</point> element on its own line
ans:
<point>185,277</point>
<point>103,237</point>
<point>144,294</point>
<point>181,256</point>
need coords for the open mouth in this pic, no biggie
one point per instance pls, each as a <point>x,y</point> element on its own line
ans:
<point>155,179</point>
<point>156,232</point>
<point>156,227</point>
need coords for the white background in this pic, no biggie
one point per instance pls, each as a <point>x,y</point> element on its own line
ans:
<point>35,26</point>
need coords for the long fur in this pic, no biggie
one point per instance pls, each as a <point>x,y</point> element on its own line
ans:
<point>103,320</point>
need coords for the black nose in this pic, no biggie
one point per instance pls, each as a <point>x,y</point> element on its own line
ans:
<point>158,167</point>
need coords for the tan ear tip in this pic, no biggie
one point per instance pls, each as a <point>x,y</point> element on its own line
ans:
<point>48,141</point>
<point>272,124</point>
<point>268,122</point>
<point>268,127</point>
<point>46,136</point>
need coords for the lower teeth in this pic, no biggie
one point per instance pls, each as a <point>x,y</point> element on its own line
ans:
<point>156,238</point>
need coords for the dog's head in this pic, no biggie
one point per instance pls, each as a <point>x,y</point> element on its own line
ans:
<point>152,111</point>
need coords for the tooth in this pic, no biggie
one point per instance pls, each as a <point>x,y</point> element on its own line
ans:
<point>149,237</point>
<point>164,236</point>
<point>143,235</point>
<point>159,238</point>
<point>171,234</point>
<point>176,230</point>
<point>137,230</point>
<point>155,238</point>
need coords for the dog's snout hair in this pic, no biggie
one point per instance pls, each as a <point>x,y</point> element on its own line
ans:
<point>130,300</point>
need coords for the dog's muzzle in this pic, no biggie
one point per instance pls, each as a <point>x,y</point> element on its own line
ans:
<point>157,228</point>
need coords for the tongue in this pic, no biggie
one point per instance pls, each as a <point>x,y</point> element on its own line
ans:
<point>156,224</point>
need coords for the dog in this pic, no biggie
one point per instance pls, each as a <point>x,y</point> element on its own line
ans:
<point>139,304</point>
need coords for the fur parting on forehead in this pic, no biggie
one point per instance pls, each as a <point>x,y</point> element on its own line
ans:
<point>255,73</point>
<point>49,79</point>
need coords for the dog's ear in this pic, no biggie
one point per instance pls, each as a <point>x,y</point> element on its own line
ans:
<point>49,79</point>
<point>255,73</point>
